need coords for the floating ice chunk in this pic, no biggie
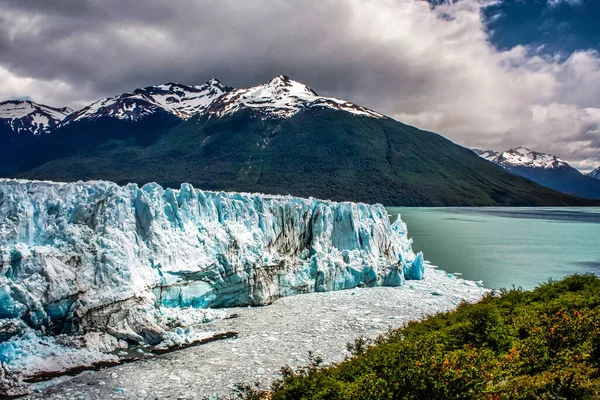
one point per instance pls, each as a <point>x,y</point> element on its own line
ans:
<point>33,354</point>
<point>416,269</point>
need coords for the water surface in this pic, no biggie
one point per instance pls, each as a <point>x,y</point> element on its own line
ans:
<point>505,246</point>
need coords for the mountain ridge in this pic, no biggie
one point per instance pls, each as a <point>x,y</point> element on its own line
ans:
<point>178,99</point>
<point>279,137</point>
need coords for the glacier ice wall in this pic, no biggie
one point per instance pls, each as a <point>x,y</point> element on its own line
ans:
<point>86,256</point>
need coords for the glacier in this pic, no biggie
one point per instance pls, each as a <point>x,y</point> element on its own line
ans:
<point>91,272</point>
<point>94,256</point>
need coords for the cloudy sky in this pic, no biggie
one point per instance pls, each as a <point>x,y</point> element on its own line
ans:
<point>484,73</point>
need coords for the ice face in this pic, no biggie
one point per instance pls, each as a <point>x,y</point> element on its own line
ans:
<point>95,256</point>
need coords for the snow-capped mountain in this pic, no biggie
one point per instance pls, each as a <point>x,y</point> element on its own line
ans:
<point>180,100</point>
<point>545,169</point>
<point>24,116</point>
<point>523,157</point>
<point>595,173</point>
<point>281,97</point>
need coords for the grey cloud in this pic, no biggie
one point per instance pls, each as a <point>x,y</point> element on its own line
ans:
<point>240,43</point>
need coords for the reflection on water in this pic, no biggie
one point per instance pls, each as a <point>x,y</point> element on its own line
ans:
<point>506,246</point>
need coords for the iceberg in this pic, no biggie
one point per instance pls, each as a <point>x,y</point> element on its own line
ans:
<point>94,256</point>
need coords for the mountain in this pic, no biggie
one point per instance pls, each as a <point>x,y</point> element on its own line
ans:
<point>22,123</point>
<point>522,157</point>
<point>140,115</point>
<point>595,173</point>
<point>279,137</point>
<point>546,170</point>
<point>132,118</point>
<point>24,117</point>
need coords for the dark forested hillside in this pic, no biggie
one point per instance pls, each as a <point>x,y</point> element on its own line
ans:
<point>317,152</point>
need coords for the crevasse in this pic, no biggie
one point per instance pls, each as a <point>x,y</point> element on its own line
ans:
<point>95,256</point>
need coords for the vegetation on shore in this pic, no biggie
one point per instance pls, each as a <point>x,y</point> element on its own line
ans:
<point>515,344</point>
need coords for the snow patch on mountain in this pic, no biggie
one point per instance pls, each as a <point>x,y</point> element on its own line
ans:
<point>281,97</point>
<point>24,116</point>
<point>180,100</point>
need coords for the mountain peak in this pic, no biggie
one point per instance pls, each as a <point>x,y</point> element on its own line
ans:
<point>522,157</point>
<point>521,150</point>
<point>282,85</point>
<point>489,155</point>
<point>281,97</point>
<point>280,80</point>
<point>180,86</point>
<point>23,108</point>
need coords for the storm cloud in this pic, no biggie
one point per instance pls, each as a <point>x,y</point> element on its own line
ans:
<point>430,67</point>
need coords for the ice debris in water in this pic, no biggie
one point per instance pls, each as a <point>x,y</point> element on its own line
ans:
<point>97,257</point>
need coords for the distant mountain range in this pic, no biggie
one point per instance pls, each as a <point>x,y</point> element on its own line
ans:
<point>545,169</point>
<point>280,137</point>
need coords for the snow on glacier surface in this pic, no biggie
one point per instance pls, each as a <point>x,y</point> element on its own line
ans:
<point>70,250</point>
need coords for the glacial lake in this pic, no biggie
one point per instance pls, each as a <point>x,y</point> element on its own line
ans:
<point>505,246</point>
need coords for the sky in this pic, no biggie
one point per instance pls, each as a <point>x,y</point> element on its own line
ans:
<point>490,74</point>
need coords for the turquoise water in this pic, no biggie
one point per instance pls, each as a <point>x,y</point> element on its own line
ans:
<point>507,246</point>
